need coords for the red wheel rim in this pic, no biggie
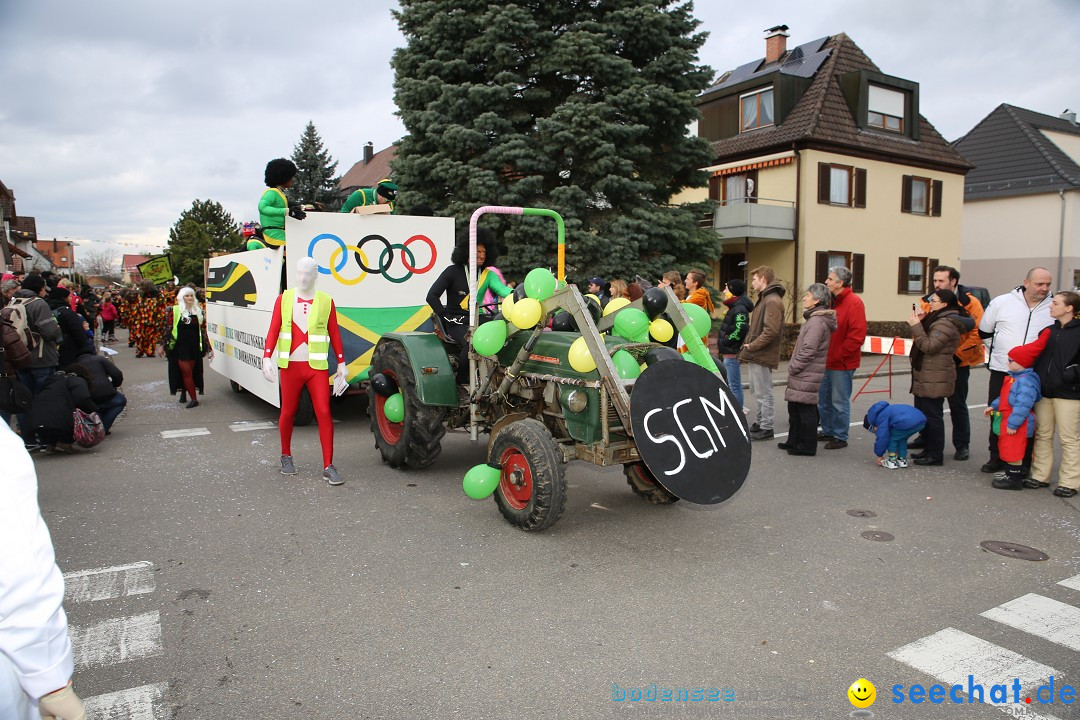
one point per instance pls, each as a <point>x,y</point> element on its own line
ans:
<point>515,482</point>
<point>390,431</point>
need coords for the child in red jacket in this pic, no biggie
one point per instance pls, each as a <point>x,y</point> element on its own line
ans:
<point>1013,408</point>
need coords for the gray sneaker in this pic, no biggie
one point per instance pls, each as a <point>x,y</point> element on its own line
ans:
<point>287,467</point>
<point>330,473</point>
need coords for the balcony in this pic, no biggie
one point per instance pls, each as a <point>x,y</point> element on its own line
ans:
<point>759,219</point>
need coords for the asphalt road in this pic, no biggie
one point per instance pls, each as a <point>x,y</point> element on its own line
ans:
<point>235,592</point>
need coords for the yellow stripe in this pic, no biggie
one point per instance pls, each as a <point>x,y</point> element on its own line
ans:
<point>363,362</point>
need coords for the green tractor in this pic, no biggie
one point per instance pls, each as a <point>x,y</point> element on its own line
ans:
<point>674,427</point>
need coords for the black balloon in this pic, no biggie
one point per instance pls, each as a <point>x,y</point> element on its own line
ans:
<point>519,292</point>
<point>654,302</point>
<point>383,385</point>
<point>594,309</point>
<point>563,322</point>
<point>659,354</point>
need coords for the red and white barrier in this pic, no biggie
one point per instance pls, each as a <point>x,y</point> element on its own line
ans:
<point>886,346</point>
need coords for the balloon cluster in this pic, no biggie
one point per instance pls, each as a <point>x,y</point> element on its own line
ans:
<point>481,480</point>
<point>394,405</point>
<point>523,308</point>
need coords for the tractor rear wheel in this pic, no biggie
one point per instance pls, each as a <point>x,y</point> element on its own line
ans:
<point>532,486</point>
<point>644,485</point>
<point>416,441</point>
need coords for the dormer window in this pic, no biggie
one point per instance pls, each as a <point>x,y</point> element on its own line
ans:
<point>756,110</point>
<point>885,109</point>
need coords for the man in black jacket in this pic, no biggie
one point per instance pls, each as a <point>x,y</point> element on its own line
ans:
<point>733,330</point>
<point>105,381</point>
<point>72,325</point>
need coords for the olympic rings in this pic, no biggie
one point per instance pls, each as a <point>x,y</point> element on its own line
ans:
<point>386,257</point>
<point>341,245</point>
<point>337,276</point>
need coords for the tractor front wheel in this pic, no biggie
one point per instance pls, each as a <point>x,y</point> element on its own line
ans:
<point>644,485</point>
<point>532,485</point>
<point>416,441</point>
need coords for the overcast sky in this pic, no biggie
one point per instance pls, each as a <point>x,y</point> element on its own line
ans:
<point>116,114</point>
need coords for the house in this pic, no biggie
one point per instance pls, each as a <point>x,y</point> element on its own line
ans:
<point>129,268</point>
<point>823,160</point>
<point>18,233</point>
<point>61,253</point>
<point>374,166</point>
<point>1022,200</point>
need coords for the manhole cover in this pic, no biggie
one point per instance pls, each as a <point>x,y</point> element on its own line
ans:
<point>862,513</point>
<point>1008,549</point>
<point>877,536</point>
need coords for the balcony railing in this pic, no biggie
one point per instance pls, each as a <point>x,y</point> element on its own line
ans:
<point>766,218</point>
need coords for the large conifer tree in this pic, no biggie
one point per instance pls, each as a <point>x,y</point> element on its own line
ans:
<point>315,179</point>
<point>580,106</point>
<point>202,229</point>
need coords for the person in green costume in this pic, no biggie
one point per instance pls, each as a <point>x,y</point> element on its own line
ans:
<point>384,193</point>
<point>274,206</point>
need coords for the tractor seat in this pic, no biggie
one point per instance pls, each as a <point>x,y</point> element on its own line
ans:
<point>441,333</point>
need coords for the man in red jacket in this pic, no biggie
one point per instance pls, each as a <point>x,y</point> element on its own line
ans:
<point>845,353</point>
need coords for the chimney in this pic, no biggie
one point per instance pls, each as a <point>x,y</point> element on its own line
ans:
<point>1067,115</point>
<point>369,152</point>
<point>775,43</point>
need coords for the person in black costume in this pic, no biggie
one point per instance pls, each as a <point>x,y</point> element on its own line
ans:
<point>185,341</point>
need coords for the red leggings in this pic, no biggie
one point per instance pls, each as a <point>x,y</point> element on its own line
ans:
<point>293,379</point>
<point>187,375</point>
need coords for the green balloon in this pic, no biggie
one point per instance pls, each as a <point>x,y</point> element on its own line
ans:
<point>630,323</point>
<point>699,318</point>
<point>394,408</point>
<point>540,284</point>
<point>625,365</point>
<point>480,481</point>
<point>489,337</point>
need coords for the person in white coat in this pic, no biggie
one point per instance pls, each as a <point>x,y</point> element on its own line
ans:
<point>35,652</point>
<point>1013,319</point>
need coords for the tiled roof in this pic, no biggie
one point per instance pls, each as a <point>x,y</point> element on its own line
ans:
<point>1013,157</point>
<point>822,116</point>
<point>24,227</point>
<point>361,175</point>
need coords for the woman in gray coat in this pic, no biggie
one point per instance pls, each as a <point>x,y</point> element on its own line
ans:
<point>806,370</point>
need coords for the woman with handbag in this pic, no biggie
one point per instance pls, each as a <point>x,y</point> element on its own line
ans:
<point>51,417</point>
<point>184,340</point>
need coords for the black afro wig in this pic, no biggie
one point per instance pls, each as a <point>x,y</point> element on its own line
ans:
<point>484,237</point>
<point>279,172</point>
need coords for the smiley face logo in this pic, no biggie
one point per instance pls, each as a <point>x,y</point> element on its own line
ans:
<point>862,693</point>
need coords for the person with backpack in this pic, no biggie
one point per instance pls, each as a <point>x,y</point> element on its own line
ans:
<point>30,314</point>
<point>72,326</point>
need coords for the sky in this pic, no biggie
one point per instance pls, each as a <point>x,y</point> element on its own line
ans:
<point>116,115</point>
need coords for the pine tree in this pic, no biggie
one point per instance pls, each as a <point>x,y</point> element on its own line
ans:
<point>200,230</point>
<point>315,179</point>
<point>581,107</point>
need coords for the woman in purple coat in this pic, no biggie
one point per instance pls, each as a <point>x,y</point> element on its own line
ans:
<point>806,371</point>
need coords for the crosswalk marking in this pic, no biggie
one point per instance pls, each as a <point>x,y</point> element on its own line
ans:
<point>189,432</point>
<point>111,582</point>
<point>139,703</point>
<point>1073,582</point>
<point>951,655</point>
<point>244,426</point>
<point>117,640</point>
<point>1042,616</point>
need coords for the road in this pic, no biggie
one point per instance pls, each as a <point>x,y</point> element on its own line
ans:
<point>204,584</point>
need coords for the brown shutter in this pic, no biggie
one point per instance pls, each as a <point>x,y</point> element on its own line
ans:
<point>928,280</point>
<point>714,188</point>
<point>905,195</point>
<point>858,260</point>
<point>935,199</point>
<point>823,183</point>
<point>821,267</point>
<point>860,187</point>
<point>901,277</point>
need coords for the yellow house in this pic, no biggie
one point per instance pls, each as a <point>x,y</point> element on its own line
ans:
<point>822,160</point>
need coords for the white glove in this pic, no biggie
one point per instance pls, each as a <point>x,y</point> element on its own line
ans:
<point>341,380</point>
<point>62,704</point>
<point>269,369</point>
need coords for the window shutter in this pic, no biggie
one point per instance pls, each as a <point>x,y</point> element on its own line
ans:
<point>858,261</point>
<point>715,183</point>
<point>928,277</point>
<point>823,183</point>
<point>935,199</point>
<point>821,267</point>
<point>901,277</point>
<point>905,195</point>
<point>860,187</point>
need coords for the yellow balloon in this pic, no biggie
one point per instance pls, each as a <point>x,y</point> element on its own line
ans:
<point>590,295</point>
<point>508,306</point>
<point>526,313</point>
<point>661,330</point>
<point>580,357</point>
<point>616,304</point>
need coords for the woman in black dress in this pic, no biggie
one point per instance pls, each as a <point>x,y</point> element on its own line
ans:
<point>185,341</point>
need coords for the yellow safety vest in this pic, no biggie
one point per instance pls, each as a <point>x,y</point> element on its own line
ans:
<point>176,312</point>
<point>318,337</point>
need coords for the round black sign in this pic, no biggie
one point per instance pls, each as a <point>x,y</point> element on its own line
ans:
<point>690,431</point>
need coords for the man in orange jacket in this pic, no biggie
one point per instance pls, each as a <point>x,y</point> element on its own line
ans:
<point>968,355</point>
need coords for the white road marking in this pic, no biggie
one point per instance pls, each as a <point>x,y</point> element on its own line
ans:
<point>139,703</point>
<point>117,640</point>
<point>1042,616</point>
<point>248,426</point>
<point>951,655</point>
<point>1072,583</point>
<point>111,582</point>
<point>190,432</point>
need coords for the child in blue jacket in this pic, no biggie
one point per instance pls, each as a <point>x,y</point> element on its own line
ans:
<point>894,424</point>
<point>1019,393</point>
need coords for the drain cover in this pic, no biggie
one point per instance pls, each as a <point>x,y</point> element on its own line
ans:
<point>878,536</point>
<point>1008,549</point>
<point>862,513</point>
